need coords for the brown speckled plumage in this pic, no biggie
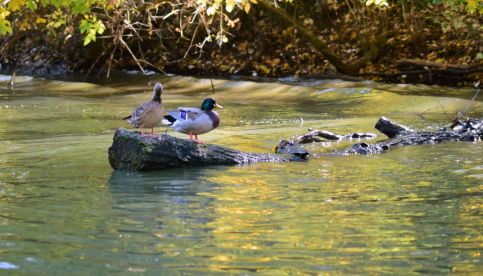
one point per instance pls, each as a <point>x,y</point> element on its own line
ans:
<point>149,114</point>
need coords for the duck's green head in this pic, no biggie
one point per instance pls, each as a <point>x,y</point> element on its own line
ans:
<point>209,104</point>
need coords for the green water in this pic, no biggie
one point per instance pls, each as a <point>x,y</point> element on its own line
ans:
<point>64,211</point>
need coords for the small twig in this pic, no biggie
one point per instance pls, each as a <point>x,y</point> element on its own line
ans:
<point>212,86</point>
<point>192,40</point>
<point>11,83</point>
<point>461,113</point>
<point>110,61</point>
<point>132,54</point>
<point>421,114</point>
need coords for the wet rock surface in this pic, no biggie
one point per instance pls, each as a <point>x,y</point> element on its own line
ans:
<point>132,151</point>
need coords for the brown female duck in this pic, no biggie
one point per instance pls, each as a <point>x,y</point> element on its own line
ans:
<point>149,114</point>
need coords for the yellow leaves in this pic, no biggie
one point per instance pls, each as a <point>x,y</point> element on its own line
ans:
<point>474,5</point>
<point>230,5</point>
<point>15,5</point>
<point>288,46</point>
<point>5,27</point>
<point>23,25</point>
<point>242,4</point>
<point>41,20</point>
<point>334,37</point>
<point>246,6</point>
<point>264,69</point>
<point>3,13</point>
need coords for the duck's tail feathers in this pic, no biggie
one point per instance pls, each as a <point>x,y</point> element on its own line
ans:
<point>127,118</point>
<point>168,120</point>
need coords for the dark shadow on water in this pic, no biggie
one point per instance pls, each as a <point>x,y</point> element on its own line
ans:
<point>175,182</point>
<point>170,197</point>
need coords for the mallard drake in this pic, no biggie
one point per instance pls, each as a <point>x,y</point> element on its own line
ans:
<point>149,114</point>
<point>194,121</point>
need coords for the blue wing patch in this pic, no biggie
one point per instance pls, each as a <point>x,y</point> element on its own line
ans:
<point>183,115</point>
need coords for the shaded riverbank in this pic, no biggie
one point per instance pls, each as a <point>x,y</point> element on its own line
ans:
<point>444,50</point>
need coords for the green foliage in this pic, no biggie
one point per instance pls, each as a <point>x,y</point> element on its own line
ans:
<point>5,26</point>
<point>50,15</point>
<point>90,26</point>
<point>201,22</point>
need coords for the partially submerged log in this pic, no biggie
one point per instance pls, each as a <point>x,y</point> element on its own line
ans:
<point>315,135</point>
<point>469,130</point>
<point>390,128</point>
<point>134,152</point>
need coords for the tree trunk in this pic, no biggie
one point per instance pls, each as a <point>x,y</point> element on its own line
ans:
<point>308,35</point>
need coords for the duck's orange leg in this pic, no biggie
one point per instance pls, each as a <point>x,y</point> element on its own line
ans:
<point>197,140</point>
<point>195,137</point>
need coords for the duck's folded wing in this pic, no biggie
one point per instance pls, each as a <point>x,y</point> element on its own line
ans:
<point>190,109</point>
<point>139,111</point>
<point>185,113</point>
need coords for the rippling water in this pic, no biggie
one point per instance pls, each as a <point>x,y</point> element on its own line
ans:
<point>64,211</point>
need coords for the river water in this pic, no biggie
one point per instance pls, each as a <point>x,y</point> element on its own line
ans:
<point>64,211</point>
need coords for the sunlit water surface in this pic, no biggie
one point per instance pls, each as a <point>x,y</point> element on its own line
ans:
<point>64,211</point>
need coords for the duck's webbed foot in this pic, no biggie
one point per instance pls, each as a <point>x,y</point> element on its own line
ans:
<point>198,140</point>
<point>194,138</point>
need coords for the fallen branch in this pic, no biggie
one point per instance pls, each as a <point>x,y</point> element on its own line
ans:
<point>468,131</point>
<point>315,135</point>
<point>390,128</point>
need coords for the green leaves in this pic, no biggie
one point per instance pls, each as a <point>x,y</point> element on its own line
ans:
<point>5,27</point>
<point>57,12</point>
<point>15,5</point>
<point>90,26</point>
<point>31,5</point>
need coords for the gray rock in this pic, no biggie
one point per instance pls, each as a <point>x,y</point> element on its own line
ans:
<point>133,152</point>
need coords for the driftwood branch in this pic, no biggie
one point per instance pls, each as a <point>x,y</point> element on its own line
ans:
<point>467,131</point>
<point>317,136</point>
<point>131,151</point>
<point>391,129</point>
